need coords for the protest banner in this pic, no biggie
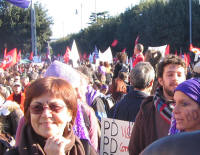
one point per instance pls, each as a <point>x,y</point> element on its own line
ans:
<point>115,136</point>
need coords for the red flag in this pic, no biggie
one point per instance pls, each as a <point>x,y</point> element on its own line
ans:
<point>188,58</point>
<point>191,47</point>
<point>124,50</point>
<point>5,52</point>
<point>136,40</point>
<point>31,56</point>
<point>114,43</point>
<point>176,52</point>
<point>19,56</point>
<point>84,56</point>
<point>66,55</point>
<point>167,50</point>
<point>10,59</point>
<point>194,49</point>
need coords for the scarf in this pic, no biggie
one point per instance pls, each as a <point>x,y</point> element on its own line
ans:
<point>31,143</point>
<point>162,106</point>
<point>91,95</point>
<point>79,128</point>
<point>173,130</point>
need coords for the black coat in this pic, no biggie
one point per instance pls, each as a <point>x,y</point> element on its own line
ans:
<point>128,107</point>
<point>180,144</point>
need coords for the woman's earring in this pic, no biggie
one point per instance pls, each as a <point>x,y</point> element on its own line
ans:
<point>68,126</point>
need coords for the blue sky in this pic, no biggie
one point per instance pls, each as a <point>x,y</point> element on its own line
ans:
<point>66,20</point>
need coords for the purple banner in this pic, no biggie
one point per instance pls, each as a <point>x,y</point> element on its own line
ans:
<point>20,3</point>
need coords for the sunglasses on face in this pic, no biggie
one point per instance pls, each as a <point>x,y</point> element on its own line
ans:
<point>39,108</point>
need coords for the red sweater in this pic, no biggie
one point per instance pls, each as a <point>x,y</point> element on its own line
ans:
<point>137,58</point>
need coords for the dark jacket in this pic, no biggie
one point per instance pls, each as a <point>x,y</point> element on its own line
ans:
<point>31,143</point>
<point>6,143</point>
<point>128,107</point>
<point>148,127</point>
<point>181,144</point>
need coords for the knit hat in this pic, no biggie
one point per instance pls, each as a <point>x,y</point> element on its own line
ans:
<point>191,88</point>
<point>64,71</point>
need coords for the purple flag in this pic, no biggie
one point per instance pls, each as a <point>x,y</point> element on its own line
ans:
<point>20,3</point>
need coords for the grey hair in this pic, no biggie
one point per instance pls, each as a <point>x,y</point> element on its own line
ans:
<point>141,75</point>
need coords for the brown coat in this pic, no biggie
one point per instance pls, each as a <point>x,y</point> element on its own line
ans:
<point>148,127</point>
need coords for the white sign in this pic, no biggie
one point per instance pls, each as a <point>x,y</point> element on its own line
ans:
<point>159,48</point>
<point>115,136</point>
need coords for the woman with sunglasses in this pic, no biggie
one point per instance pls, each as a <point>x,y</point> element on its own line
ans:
<point>50,110</point>
<point>186,113</point>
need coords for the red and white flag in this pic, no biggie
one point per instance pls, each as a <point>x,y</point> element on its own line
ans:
<point>10,59</point>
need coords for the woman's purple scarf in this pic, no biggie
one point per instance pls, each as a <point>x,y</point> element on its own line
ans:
<point>79,128</point>
<point>91,95</point>
<point>173,130</point>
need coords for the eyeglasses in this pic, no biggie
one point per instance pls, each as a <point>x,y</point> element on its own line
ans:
<point>39,108</point>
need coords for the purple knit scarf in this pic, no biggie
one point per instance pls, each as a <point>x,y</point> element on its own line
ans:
<point>79,128</point>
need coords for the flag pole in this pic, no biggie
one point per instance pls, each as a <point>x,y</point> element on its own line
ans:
<point>33,29</point>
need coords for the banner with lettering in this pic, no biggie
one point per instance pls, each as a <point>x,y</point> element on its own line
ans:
<point>115,136</point>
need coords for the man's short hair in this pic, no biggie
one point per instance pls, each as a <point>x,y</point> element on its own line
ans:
<point>142,75</point>
<point>140,47</point>
<point>169,59</point>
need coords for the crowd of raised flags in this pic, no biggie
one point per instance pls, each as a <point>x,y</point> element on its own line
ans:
<point>12,57</point>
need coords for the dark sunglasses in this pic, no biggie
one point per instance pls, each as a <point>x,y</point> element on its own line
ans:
<point>39,108</point>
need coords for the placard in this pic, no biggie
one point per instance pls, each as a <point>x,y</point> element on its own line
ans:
<point>115,136</point>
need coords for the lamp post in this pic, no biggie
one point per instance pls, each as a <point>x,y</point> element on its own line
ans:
<point>33,30</point>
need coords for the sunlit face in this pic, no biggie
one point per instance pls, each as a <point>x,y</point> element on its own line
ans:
<point>50,123</point>
<point>17,89</point>
<point>11,81</point>
<point>17,79</point>
<point>173,75</point>
<point>186,112</point>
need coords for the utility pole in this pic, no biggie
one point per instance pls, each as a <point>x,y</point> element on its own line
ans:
<point>81,16</point>
<point>33,29</point>
<point>190,20</point>
<point>95,9</point>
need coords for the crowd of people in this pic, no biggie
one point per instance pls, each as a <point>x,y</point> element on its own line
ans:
<point>54,108</point>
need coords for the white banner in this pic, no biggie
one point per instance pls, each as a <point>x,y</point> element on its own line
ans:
<point>115,136</point>
<point>159,48</point>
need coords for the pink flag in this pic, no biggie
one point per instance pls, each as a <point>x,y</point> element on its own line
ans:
<point>5,52</point>
<point>167,50</point>
<point>124,50</point>
<point>136,40</point>
<point>66,55</point>
<point>114,43</point>
<point>31,56</point>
